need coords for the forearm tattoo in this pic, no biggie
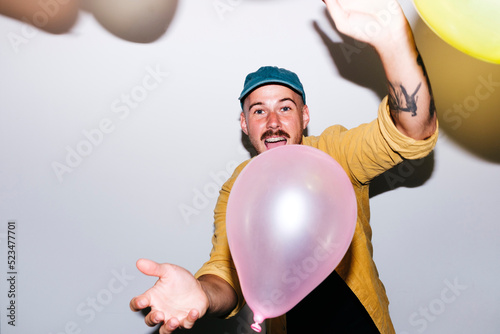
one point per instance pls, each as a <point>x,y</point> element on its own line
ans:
<point>402,101</point>
<point>396,97</point>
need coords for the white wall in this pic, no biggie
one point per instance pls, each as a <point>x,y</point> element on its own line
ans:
<point>79,231</point>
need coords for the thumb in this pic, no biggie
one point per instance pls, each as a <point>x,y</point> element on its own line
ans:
<point>152,268</point>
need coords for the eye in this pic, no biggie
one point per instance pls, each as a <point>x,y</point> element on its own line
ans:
<point>258,111</point>
<point>286,108</point>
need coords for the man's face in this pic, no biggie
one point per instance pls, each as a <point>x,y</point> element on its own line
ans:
<point>274,115</point>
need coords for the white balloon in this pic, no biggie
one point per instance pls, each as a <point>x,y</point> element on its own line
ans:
<point>141,21</point>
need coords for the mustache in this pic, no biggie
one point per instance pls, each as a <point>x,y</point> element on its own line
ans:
<point>271,133</point>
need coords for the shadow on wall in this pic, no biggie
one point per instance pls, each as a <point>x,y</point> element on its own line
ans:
<point>135,21</point>
<point>408,174</point>
<point>467,94</point>
<point>355,61</point>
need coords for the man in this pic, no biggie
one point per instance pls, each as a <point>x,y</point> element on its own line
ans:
<point>275,113</point>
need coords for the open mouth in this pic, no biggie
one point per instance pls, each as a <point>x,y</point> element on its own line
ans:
<point>274,142</point>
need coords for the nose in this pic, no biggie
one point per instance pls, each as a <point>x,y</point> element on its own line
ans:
<point>273,121</point>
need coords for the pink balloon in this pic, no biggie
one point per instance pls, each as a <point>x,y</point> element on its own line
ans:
<point>290,219</point>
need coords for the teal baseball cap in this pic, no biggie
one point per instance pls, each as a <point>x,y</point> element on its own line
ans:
<point>267,75</point>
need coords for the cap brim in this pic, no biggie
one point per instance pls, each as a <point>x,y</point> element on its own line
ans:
<point>253,87</point>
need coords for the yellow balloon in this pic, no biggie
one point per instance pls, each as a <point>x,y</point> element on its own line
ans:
<point>471,26</point>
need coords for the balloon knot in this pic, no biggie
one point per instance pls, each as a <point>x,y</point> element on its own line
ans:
<point>256,327</point>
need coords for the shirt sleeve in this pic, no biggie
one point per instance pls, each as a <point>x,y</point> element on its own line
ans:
<point>372,148</point>
<point>407,147</point>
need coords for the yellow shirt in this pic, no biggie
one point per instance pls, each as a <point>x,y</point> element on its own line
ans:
<point>364,152</point>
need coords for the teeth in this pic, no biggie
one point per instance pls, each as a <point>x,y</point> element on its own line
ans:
<point>274,140</point>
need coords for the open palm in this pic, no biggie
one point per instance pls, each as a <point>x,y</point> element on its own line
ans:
<point>369,21</point>
<point>177,298</point>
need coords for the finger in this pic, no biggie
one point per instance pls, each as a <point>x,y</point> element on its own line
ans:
<point>335,9</point>
<point>152,268</point>
<point>169,326</point>
<point>154,318</point>
<point>140,302</point>
<point>192,316</point>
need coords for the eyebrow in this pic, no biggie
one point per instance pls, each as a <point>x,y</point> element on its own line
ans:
<point>288,99</point>
<point>255,104</point>
<point>282,100</point>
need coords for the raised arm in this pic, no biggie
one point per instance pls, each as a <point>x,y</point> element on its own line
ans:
<point>383,25</point>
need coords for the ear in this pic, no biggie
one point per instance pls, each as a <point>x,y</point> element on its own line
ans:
<point>305,116</point>
<point>243,123</point>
